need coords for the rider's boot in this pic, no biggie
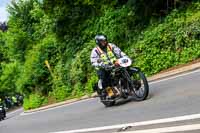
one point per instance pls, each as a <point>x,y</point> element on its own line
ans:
<point>102,91</point>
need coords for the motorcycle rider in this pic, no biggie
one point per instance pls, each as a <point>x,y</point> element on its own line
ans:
<point>2,110</point>
<point>103,56</point>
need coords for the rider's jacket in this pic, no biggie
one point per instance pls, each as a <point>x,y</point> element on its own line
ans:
<point>100,58</point>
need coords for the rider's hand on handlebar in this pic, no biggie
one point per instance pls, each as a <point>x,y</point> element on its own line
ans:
<point>107,67</point>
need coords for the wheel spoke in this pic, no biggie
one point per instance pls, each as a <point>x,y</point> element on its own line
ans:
<point>140,90</point>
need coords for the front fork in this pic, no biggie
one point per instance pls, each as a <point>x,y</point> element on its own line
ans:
<point>127,75</point>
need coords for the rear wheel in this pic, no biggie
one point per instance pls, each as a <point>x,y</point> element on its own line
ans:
<point>103,99</point>
<point>141,87</point>
<point>107,102</point>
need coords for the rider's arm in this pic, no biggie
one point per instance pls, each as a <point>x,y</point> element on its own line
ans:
<point>117,51</point>
<point>95,59</point>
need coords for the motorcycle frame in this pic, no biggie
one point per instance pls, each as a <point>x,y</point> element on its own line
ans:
<point>126,75</point>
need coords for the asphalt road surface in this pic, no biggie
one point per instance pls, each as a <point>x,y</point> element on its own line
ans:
<point>173,105</point>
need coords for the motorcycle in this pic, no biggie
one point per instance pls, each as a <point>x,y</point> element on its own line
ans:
<point>125,81</point>
<point>2,112</point>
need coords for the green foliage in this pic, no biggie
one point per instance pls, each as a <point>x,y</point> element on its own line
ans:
<point>35,75</point>
<point>60,90</point>
<point>9,76</point>
<point>93,79</point>
<point>34,101</point>
<point>3,48</point>
<point>115,24</point>
<point>81,69</point>
<point>165,45</point>
<point>59,93</point>
<point>81,65</point>
<point>61,32</point>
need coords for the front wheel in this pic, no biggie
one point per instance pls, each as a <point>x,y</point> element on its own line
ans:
<point>140,87</point>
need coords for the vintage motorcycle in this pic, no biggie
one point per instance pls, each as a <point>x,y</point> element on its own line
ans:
<point>125,81</point>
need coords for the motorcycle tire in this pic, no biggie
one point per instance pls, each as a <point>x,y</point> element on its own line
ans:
<point>136,90</point>
<point>108,103</point>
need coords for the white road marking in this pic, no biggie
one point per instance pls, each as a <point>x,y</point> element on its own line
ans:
<point>143,123</point>
<point>168,129</point>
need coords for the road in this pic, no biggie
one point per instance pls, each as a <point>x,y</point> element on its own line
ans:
<point>173,105</point>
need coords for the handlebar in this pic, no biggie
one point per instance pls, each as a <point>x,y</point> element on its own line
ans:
<point>113,68</point>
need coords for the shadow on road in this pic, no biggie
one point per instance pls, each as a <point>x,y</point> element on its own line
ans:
<point>130,99</point>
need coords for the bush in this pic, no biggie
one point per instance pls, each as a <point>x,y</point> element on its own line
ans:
<point>59,93</point>
<point>60,90</point>
<point>173,42</point>
<point>34,101</point>
<point>90,84</point>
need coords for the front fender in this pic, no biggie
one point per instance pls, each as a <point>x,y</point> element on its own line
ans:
<point>134,69</point>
